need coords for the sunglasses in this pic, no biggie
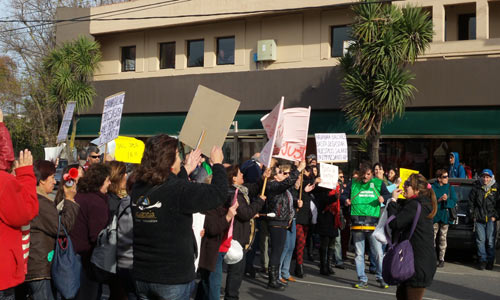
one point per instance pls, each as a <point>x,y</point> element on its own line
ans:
<point>341,176</point>
<point>95,156</point>
<point>444,177</point>
<point>284,173</point>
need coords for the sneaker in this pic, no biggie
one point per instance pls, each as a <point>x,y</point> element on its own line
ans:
<point>340,267</point>
<point>482,265</point>
<point>382,284</point>
<point>361,285</point>
<point>291,279</point>
<point>489,265</point>
<point>283,281</point>
<point>440,264</point>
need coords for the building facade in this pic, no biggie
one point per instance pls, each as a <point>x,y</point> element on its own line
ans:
<point>158,52</point>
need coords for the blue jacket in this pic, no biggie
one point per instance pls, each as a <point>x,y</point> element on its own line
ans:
<point>456,170</point>
<point>442,215</point>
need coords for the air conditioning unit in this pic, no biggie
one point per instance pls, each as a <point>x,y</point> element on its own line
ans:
<point>266,50</point>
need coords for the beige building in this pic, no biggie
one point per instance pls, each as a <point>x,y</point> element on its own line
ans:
<point>257,51</point>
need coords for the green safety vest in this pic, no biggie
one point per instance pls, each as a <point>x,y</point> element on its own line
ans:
<point>364,198</point>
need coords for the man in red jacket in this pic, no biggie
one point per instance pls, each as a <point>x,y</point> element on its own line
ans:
<point>18,206</point>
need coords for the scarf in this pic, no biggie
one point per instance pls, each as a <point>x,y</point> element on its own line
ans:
<point>334,208</point>
<point>244,190</point>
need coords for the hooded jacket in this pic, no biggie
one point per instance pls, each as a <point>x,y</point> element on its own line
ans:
<point>442,214</point>
<point>456,170</point>
<point>483,200</point>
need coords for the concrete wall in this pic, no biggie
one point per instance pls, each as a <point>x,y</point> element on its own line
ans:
<point>67,31</point>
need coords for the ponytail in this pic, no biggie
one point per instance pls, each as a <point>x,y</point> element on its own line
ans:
<point>420,184</point>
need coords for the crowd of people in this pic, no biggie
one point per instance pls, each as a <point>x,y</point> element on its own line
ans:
<point>280,212</point>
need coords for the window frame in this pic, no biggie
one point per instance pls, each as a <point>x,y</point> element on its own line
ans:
<point>217,53</point>
<point>332,29</point>
<point>122,60</point>
<point>160,57</point>
<point>189,53</point>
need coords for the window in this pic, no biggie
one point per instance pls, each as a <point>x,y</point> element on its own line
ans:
<point>195,52</point>
<point>128,59</point>
<point>225,51</point>
<point>341,37</point>
<point>167,55</point>
<point>467,27</point>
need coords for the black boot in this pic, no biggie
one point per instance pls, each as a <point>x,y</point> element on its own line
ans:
<point>310,251</point>
<point>299,270</point>
<point>273,282</point>
<point>331,261</point>
<point>323,262</point>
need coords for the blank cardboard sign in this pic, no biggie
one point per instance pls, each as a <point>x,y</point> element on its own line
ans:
<point>210,116</point>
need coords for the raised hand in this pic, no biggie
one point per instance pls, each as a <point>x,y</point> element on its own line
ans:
<point>216,155</point>
<point>192,160</point>
<point>25,159</point>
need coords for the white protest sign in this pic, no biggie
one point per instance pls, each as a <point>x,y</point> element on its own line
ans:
<point>331,147</point>
<point>68,115</point>
<point>198,223</point>
<point>329,176</point>
<point>111,117</point>
<point>292,140</point>
<point>272,123</point>
<point>52,153</point>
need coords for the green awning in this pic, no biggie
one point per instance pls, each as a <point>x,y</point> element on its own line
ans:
<point>429,122</point>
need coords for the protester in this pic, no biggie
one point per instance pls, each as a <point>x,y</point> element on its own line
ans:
<point>378,172</point>
<point>365,195</point>
<point>328,210</point>
<point>416,190</point>
<point>311,231</point>
<point>18,206</point>
<point>346,213</point>
<point>303,221</point>
<point>456,169</point>
<point>393,177</point>
<point>447,199</point>
<point>252,169</point>
<point>93,156</point>
<point>279,202</point>
<point>163,201</point>
<point>92,218</point>
<point>291,233</point>
<point>243,221</point>
<point>59,199</point>
<point>43,230</point>
<point>483,201</point>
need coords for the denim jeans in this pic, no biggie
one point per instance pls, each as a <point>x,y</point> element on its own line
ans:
<point>338,250</point>
<point>7,294</point>
<point>485,240</point>
<point>286,255</point>
<point>159,291</point>
<point>210,283</point>
<point>41,289</point>
<point>359,238</point>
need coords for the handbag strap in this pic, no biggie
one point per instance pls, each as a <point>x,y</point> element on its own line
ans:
<point>413,226</point>
<point>230,231</point>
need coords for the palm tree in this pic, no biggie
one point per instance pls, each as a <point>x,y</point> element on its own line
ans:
<point>386,38</point>
<point>70,69</point>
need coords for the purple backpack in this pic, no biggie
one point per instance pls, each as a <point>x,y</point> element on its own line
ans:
<point>398,265</point>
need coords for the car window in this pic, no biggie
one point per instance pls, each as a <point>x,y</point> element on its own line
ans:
<point>463,192</point>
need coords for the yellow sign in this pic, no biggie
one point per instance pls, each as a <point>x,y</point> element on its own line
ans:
<point>129,150</point>
<point>404,174</point>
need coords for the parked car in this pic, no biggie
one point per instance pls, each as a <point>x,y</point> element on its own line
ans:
<point>461,234</point>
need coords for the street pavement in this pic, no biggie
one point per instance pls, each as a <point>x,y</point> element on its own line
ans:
<point>457,280</point>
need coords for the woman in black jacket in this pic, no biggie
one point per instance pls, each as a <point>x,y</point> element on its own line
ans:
<point>416,190</point>
<point>243,222</point>
<point>280,202</point>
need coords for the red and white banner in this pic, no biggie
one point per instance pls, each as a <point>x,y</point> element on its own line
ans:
<point>292,140</point>
<point>273,126</point>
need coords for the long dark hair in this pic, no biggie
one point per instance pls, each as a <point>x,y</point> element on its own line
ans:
<point>158,159</point>
<point>94,178</point>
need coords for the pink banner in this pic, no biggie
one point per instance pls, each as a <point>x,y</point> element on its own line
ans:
<point>292,140</point>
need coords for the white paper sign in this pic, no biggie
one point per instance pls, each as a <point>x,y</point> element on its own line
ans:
<point>272,123</point>
<point>331,147</point>
<point>68,115</point>
<point>52,153</point>
<point>198,223</point>
<point>111,117</point>
<point>329,176</point>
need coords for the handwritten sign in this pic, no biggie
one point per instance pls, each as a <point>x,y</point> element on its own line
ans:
<point>198,224</point>
<point>292,140</point>
<point>129,150</point>
<point>404,174</point>
<point>111,117</point>
<point>329,176</point>
<point>331,147</point>
<point>68,115</point>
